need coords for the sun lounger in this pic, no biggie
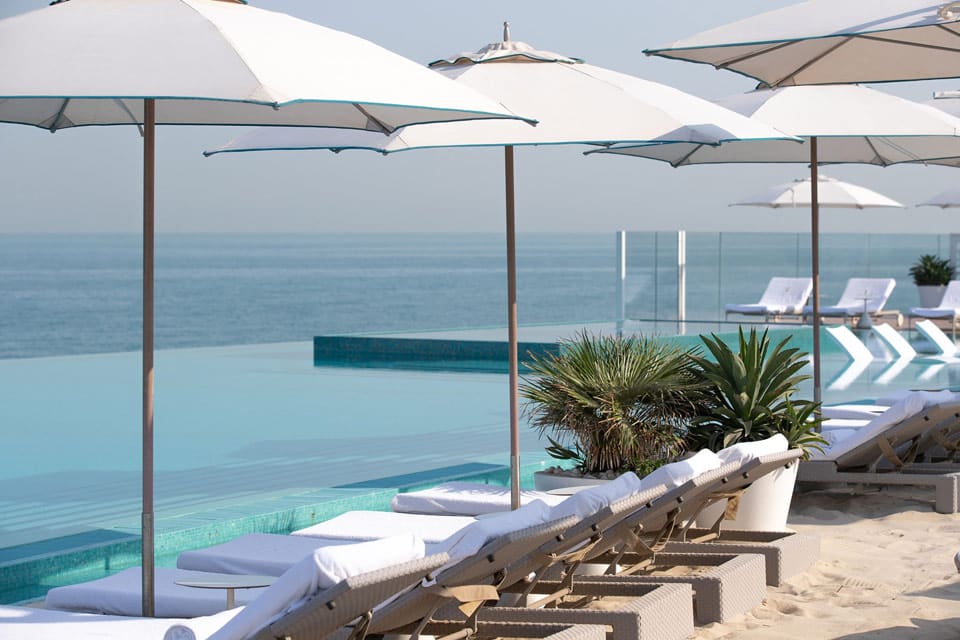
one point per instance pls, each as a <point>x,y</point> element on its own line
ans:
<point>729,578</point>
<point>474,499</point>
<point>271,554</point>
<point>895,342</point>
<point>946,348</point>
<point>860,357</point>
<point>312,600</point>
<point>861,295</point>
<point>783,296</point>
<point>880,452</point>
<point>949,306</point>
<point>464,499</point>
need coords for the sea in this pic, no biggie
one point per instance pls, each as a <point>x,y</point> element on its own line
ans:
<point>65,294</point>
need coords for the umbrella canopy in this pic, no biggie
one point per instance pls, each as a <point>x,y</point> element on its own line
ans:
<point>93,62</point>
<point>853,124</point>
<point>106,62</point>
<point>831,193</point>
<point>825,41</point>
<point>840,124</point>
<point>945,200</point>
<point>573,102</point>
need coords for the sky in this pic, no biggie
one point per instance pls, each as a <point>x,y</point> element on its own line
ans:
<point>89,179</point>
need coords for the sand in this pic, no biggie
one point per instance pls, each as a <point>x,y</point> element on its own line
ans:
<point>886,571</point>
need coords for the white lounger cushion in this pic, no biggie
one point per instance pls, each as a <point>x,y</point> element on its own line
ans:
<point>321,570</point>
<point>370,525</point>
<point>465,499</point>
<point>468,540</point>
<point>929,398</point>
<point>782,295</point>
<point>590,500</point>
<point>260,554</point>
<point>745,451</point>
<point>676,473</point>
<point>854,411</point>
<point>27,623</point>
<point>909,406</point>
<point>119,594</point>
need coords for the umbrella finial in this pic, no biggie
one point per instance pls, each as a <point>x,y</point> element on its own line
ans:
<point>949,11</point>
<point>506,32</point>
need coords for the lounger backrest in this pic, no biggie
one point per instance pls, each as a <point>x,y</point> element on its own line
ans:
<point>483,568</point>
<point>941,341</point>
<point>581,534</point>
<point>899,424</point>
<point>789,294</point>
<point>339,605</point>
<point>951,296</point>
<point>749,472</point>
<point>894,340</point>
<point>876,290</point>
<point>850,343</point>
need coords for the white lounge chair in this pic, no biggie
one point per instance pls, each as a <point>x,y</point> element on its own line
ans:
<point>783,296</point>
<point>860,356</point>
<point>880,451</point>
<point>949,306</point>
<point>946,348</point>
<point>317,596</point>
<point>861,295</point>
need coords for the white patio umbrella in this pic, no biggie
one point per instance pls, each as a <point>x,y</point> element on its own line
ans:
<point>574,103</point>
<point>948,199</point>
<point>840,124</point>
<point>826,41</point>
<point>831,193</point>
<point>148,62</point>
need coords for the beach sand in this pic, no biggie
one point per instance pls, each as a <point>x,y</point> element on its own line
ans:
<point>885,572</point>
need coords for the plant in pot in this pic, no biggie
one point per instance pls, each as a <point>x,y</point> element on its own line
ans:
<point>750,390</point>
<point>931,274</point>
<point>610,404</point>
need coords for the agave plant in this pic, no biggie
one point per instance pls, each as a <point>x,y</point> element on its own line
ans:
<point>613,403</point>
<point>751,391</point>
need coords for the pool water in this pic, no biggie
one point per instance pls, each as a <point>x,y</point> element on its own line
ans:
<point>256,437</point>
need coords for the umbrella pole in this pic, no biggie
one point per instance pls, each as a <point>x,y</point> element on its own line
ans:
<point>146,531</point>
<point>815,264</point>
<point>512,329</point>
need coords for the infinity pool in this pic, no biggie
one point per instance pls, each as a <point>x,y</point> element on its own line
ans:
<point>248,435</point>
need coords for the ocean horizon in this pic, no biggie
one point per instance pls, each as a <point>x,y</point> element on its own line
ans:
<point>66,294</point>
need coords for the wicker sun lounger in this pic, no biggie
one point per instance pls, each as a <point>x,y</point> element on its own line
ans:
<point>728,581</point>
<point>887,454</point>
<point>316,616</point>
<point>454,604</point>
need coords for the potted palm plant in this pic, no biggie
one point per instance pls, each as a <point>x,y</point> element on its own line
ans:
<point>931,274</point>
<point>750,390</point>
<point>610,404</point>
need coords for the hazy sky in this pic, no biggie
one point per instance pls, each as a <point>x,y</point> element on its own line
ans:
<point>89,179</point>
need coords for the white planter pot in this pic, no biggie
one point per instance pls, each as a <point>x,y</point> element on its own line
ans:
<point>763,507</point>
<point>931,295</point>
<point>546,481</point>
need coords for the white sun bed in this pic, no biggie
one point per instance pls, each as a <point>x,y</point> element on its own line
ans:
<point>861,295</point>
<point>949,306</point>
<point>476,499</point>
<point>322,592</point>
<point>783,296</point>
<point>873,452</point>
<point>465,499</point>
<point>946,347</point>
